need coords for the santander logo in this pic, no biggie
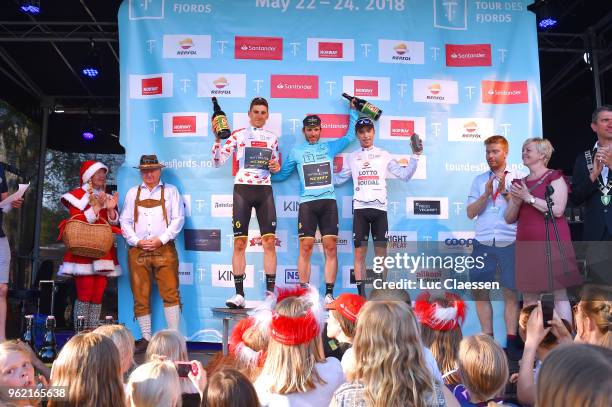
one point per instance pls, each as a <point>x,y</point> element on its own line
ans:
<point>330,50</point>
<point>498,92</point>
<point>365,88</point>
<point>468,55</point>
<point>183,124</point>
<point>258,48</point>
<point>152,86</point>
<point>294,86</point>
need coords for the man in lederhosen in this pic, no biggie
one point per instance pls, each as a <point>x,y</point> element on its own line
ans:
<point>153,215</point>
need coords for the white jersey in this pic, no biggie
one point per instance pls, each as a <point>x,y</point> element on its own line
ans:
<point>254,148</point>
<point>369,168</point>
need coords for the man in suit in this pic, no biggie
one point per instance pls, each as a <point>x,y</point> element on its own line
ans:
<point>592,185</point>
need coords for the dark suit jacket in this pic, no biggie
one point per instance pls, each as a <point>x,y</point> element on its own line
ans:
<point>597,217</point>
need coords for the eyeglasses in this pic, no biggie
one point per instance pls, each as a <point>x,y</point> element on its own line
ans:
<point>364,121</point>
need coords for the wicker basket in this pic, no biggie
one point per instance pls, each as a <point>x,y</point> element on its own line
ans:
<point>88,239</point>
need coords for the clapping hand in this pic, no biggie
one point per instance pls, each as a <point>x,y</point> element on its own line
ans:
<point>520,192</point>
<point>112,201</point>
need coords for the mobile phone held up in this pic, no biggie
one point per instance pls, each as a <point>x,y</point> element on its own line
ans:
<point>183,368</point>
<point>548,304</point>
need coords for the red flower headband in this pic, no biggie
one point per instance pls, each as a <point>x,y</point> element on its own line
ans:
<point>437,317</point>
<point>240,349</point>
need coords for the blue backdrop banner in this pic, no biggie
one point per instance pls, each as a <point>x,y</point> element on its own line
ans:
<point>453,71</point>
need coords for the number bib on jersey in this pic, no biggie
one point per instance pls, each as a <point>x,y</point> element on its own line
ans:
<point>317,175</point>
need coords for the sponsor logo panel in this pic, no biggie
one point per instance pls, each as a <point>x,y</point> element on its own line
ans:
<point>330,49</point>
<point>451,14</point>
<point>435,91</point>
<point>203,240</point>
<point>221,206</point>
<point>185,272</point>
<point>294,86</point>
<point>457,241</point>
<point>221,85</point>
<point>185,124</point>
<point>401,127</point>
<point>151,86</point>
<point>427,207</point>
<point>404,160</point>
<point>345,242</point>
<point>288,276</point>
<point>498,92</point>
<point>470,129</point>
<point>460,55</point>
<point>222,275</point>
<point>349,280</point>
<point>287,206</point>
<point>401,52</point>
<point>402,241</point>
<point>258,48</point>
<point>333,125</point>
<point>367,87</point>
<point>254,241</point>
<point>186,46</point>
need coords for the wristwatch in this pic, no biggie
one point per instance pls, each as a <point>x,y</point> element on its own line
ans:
<point>532,200</point>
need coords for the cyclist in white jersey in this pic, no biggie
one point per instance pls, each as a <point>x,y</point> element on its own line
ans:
<point>368,166</point>
<point>256,151</point>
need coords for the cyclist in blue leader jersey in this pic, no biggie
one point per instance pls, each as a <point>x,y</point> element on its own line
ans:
<point>314,162</point>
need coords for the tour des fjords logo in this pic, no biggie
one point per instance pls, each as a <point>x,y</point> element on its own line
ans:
<point>367,87</point>
<point>330,49</point>
<point>401,52</point>
<point>498,92</point>
<point>258,48</point>
<point>151,86</point>
<point>435,91</point>
<point>470,129</point>
<point>294,86</point>
<point>220,85</point>
<point>186,46</point>
<point>461,55</point>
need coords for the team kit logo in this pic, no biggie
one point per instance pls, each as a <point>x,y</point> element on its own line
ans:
<point>461,55</point>
<point>330,49</point>
<point>186,46</point>
<point>151,86</point>
<point>470,129</point>
<point>435,91</point>
<point>185,124</point>
<point>258,48</point>
<point>221,85</point>
<point>401,52</point>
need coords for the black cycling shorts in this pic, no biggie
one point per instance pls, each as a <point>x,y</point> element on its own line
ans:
<point>322,213</point>
<point>368,219</point>
<point>247,197</point>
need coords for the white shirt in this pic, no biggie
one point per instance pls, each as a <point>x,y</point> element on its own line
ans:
<point>151,221</point>
<point>604,170</point>
<point>330,371</point>
<point>369,168</point>
<point>490,223</point>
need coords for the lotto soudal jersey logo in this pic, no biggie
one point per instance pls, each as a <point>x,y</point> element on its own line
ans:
<point>402,128</point>
<point>497,92</point>
<point>294,86</point>
<point>184,124</point>
<point>186,46</point>
<point>258,48</point>
<point>470,129</point>
<point>152,86</point>
<point>365,88</point>
<point>330,50</point>
<point>333,125</point>
<point>435,91</point>
<point>458,55</point>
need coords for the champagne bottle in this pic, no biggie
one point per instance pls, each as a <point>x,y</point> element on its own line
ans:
<point>48,352</point>
<point>364,106</point>
<point>220,124</point>
<point>28,335</point>
<point>80,325</point>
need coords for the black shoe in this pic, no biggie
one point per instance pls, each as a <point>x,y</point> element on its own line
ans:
<point>140,346</point>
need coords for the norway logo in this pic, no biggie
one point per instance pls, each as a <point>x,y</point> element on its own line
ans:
<point>152,86</point>
<point>365,88</point>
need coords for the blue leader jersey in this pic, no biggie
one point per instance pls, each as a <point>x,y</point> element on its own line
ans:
<point>314,163</point>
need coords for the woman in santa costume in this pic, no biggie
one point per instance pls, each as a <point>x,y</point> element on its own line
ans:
<point>91,204</point>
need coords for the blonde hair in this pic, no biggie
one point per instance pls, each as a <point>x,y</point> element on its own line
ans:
<point>346,325</point>
<point>123,340</point>
<point>596,303</point>
<point>575,375</point>
<point>9,347</point>
<point>389,358</point>
<point>444,346</point>
<point>230,388</point>
<point>171,344</point>
<point>293,367</point>
<point>542,146</point>
<point>154,384</point>
<point>87,361</point>
<point>483,367</point>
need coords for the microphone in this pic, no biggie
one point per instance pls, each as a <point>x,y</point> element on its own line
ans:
<point>549,190</point>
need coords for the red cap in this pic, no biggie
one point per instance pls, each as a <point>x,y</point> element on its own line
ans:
<point>89,168</point>
<point>348,305</point>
